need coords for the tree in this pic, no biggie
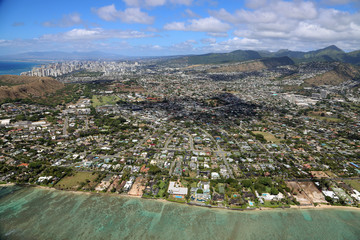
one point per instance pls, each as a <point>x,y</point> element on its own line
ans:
<point>274,191</point>
<point>265,181</point>
<point>246,183</point>
<point>328,199</point>
<point>153,170</point>
<point>260,187</point>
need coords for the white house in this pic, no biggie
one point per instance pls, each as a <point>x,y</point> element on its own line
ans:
<point>5,122</point>
<point>175,189</point>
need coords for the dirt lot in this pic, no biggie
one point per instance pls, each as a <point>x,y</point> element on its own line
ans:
<point>299,194</point>
<point>331,174</point>
<point>312,192</point>
<point>115,184</point>
<point>319,174</point>
<point>138,187</point>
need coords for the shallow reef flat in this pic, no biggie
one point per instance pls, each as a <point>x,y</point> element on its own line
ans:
<point>33,213</point>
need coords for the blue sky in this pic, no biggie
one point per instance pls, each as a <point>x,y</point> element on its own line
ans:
<point>169,27</point>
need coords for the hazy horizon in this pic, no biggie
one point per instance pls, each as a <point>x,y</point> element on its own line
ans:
<point>177,27</point>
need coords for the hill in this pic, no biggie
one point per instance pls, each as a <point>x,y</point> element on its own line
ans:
<point>255,65</point>
<point>277,61</point>
<point>21,87</point>
<point>218,58</point>
<point>339,74</point>
<point>329,54</point>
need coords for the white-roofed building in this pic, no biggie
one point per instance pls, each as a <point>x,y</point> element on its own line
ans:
<point>176,190</point>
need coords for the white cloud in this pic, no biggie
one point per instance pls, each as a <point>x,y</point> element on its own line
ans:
<point>67,20</point>
<point>277,10</point>
<point>191,14</point>
<point>182,2</point>
<point>176,26</point>
<point>151,29</point>
<point>132,3</point>
<point>93,34</point>
<point>208,40</point>
<point>107,13</point>
<point>296,10</point>
<point>4,42</point>
<point>339,2</point>
<point>210,24</point>
<point>255,3</point>
<point>155,3</point>
<point>187,46</point>
<point>225,16</point>
<point>134,15</point>
<point>235,44</point>
<point>281,22</point>
<point>129,15</point>
<point>213,34</point>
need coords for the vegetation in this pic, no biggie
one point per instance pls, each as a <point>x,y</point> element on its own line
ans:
<point>78,179</point>
<point>98,100</point>
<point>267,136</point>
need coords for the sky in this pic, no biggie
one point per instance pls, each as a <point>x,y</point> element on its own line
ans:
<point>174,27</point>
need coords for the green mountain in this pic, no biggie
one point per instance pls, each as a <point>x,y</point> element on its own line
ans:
<point>254,65</point>
<point>277,61</point>
<point>329,54</point>
<point>352,57</point>
<point>216,58</point>
<point>340,73</point>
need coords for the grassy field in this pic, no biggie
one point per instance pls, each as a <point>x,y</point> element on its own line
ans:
<point>353,183</point>
<point>331,174</point>
<point>192,174</point>
<point>162,188</point>
<point>72,182</point>
<point>104,100</point>
<point>326,119</point>
<point>268,137</point>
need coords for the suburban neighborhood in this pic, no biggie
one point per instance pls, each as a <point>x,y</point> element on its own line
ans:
<point>201,135</point>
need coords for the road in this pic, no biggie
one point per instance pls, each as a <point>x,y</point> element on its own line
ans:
<point>86,124</point>
<point>220,152</point>
<point>66,125</point>
<point>191,141</point>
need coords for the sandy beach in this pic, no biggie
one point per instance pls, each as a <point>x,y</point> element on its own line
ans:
<point>319,207</point>
<point>7,184</point>
<point>324,206</point>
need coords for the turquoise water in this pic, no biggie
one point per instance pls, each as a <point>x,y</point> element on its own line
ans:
<point>31,213</point>
<point>15,68</point>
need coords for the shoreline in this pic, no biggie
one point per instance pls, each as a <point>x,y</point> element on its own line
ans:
<point>292,207</point>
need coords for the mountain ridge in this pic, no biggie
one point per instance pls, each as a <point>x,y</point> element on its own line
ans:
<point>328,54</point>
<point>22,87</point>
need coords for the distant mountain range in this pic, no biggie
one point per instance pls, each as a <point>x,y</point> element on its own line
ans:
<point>328,54</point>
<point>58,55</point>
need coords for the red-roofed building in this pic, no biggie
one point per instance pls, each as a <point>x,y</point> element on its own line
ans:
<point>23,165</point>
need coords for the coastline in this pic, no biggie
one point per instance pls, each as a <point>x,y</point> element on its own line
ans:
<point>7,184</point>
<point>292,207</point>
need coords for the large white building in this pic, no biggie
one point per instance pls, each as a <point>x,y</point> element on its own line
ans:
<point>176,190</point>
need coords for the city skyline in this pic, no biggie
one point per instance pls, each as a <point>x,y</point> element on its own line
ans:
<point>171,27</point>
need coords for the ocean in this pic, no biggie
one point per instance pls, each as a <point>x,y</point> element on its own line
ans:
<point>33,213</point>
<point>15,68</point>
